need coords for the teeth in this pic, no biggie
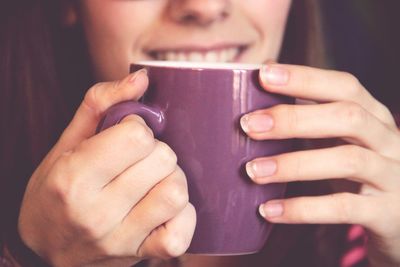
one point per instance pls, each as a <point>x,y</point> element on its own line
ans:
<point>171,56</point>
<point>195,56</point>
<point>211,57</point>
<point>223,55</point>
<point>181,56</point>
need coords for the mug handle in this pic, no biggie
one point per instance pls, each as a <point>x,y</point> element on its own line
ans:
<point>153,116</point>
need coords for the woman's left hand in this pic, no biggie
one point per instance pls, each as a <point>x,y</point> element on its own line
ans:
<point>344,110</point>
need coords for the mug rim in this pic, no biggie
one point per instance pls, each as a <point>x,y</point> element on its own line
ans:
<point>198,65</point>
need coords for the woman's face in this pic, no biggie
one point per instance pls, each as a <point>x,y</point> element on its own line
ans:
<point>120,32</point>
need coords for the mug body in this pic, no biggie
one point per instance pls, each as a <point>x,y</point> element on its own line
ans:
<point>202,107</point>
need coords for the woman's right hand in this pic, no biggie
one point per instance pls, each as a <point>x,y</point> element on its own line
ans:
<point>108,199</point>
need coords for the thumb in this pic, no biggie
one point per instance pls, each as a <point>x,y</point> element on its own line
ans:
<point>97,100</point>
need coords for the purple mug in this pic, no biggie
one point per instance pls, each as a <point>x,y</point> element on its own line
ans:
<point>195,108</point>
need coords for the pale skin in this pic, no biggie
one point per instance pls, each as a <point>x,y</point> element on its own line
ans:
<point>115,198</point>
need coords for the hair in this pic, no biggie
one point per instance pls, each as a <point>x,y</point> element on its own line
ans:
<point>304,41</point>
<point>44,72</point>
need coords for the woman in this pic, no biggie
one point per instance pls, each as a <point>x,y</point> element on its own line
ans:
<point>81,204</point>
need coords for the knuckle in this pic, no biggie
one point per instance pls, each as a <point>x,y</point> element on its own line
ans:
<point>385,113</point>
<point>191,211</point>
<point>174,245</point>
<point>92,226</point>
<point>180,177</point>
<point>353,84</point>
<point>175,195</point>
<point>139,134</point>
<point>356,159</point>
<point>166,155</point>
<point>90,222</point>
<point>353,115</point>
<point>62,180</point>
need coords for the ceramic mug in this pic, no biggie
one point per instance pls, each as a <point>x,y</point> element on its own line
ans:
<point>195,108</point>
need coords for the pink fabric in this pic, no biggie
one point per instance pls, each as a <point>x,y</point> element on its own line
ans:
<point>353,257</point>
<point>355,232</point>
<point>356,253</point>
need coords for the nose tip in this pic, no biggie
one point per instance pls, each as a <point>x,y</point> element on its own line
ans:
<point>200,12</point>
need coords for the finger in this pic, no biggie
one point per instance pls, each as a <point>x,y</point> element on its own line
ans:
<point>162,203</point>
<point>322,86</point>
<point>97,100</point>
<point>171,239</point>
<point>98,160</point>
<point>348,161</point>
<point>340,119</point>
<point>134,183</point>
<point>339,208</point>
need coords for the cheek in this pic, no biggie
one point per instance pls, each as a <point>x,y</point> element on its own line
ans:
<point>113,31</point>
<point>269,16</point>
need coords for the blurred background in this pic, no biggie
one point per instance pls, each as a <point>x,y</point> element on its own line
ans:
<point>364,39</point>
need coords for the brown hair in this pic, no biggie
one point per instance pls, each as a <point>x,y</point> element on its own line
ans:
<point>44,73</point>
<point>304,41</point>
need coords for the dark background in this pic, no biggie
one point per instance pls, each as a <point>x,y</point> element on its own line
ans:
<point>364,39</point>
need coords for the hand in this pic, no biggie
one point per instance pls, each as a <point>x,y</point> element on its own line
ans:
<point>109,199</point>
<point>344,109</point>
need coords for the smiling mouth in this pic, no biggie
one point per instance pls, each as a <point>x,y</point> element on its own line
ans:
<point>223,54</point>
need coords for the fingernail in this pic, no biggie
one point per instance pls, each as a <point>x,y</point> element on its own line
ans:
<point>256,123</point>
<point>274,75</point>
<point>140,74</point>
<point>261,168</point>
<point>270,210</point>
